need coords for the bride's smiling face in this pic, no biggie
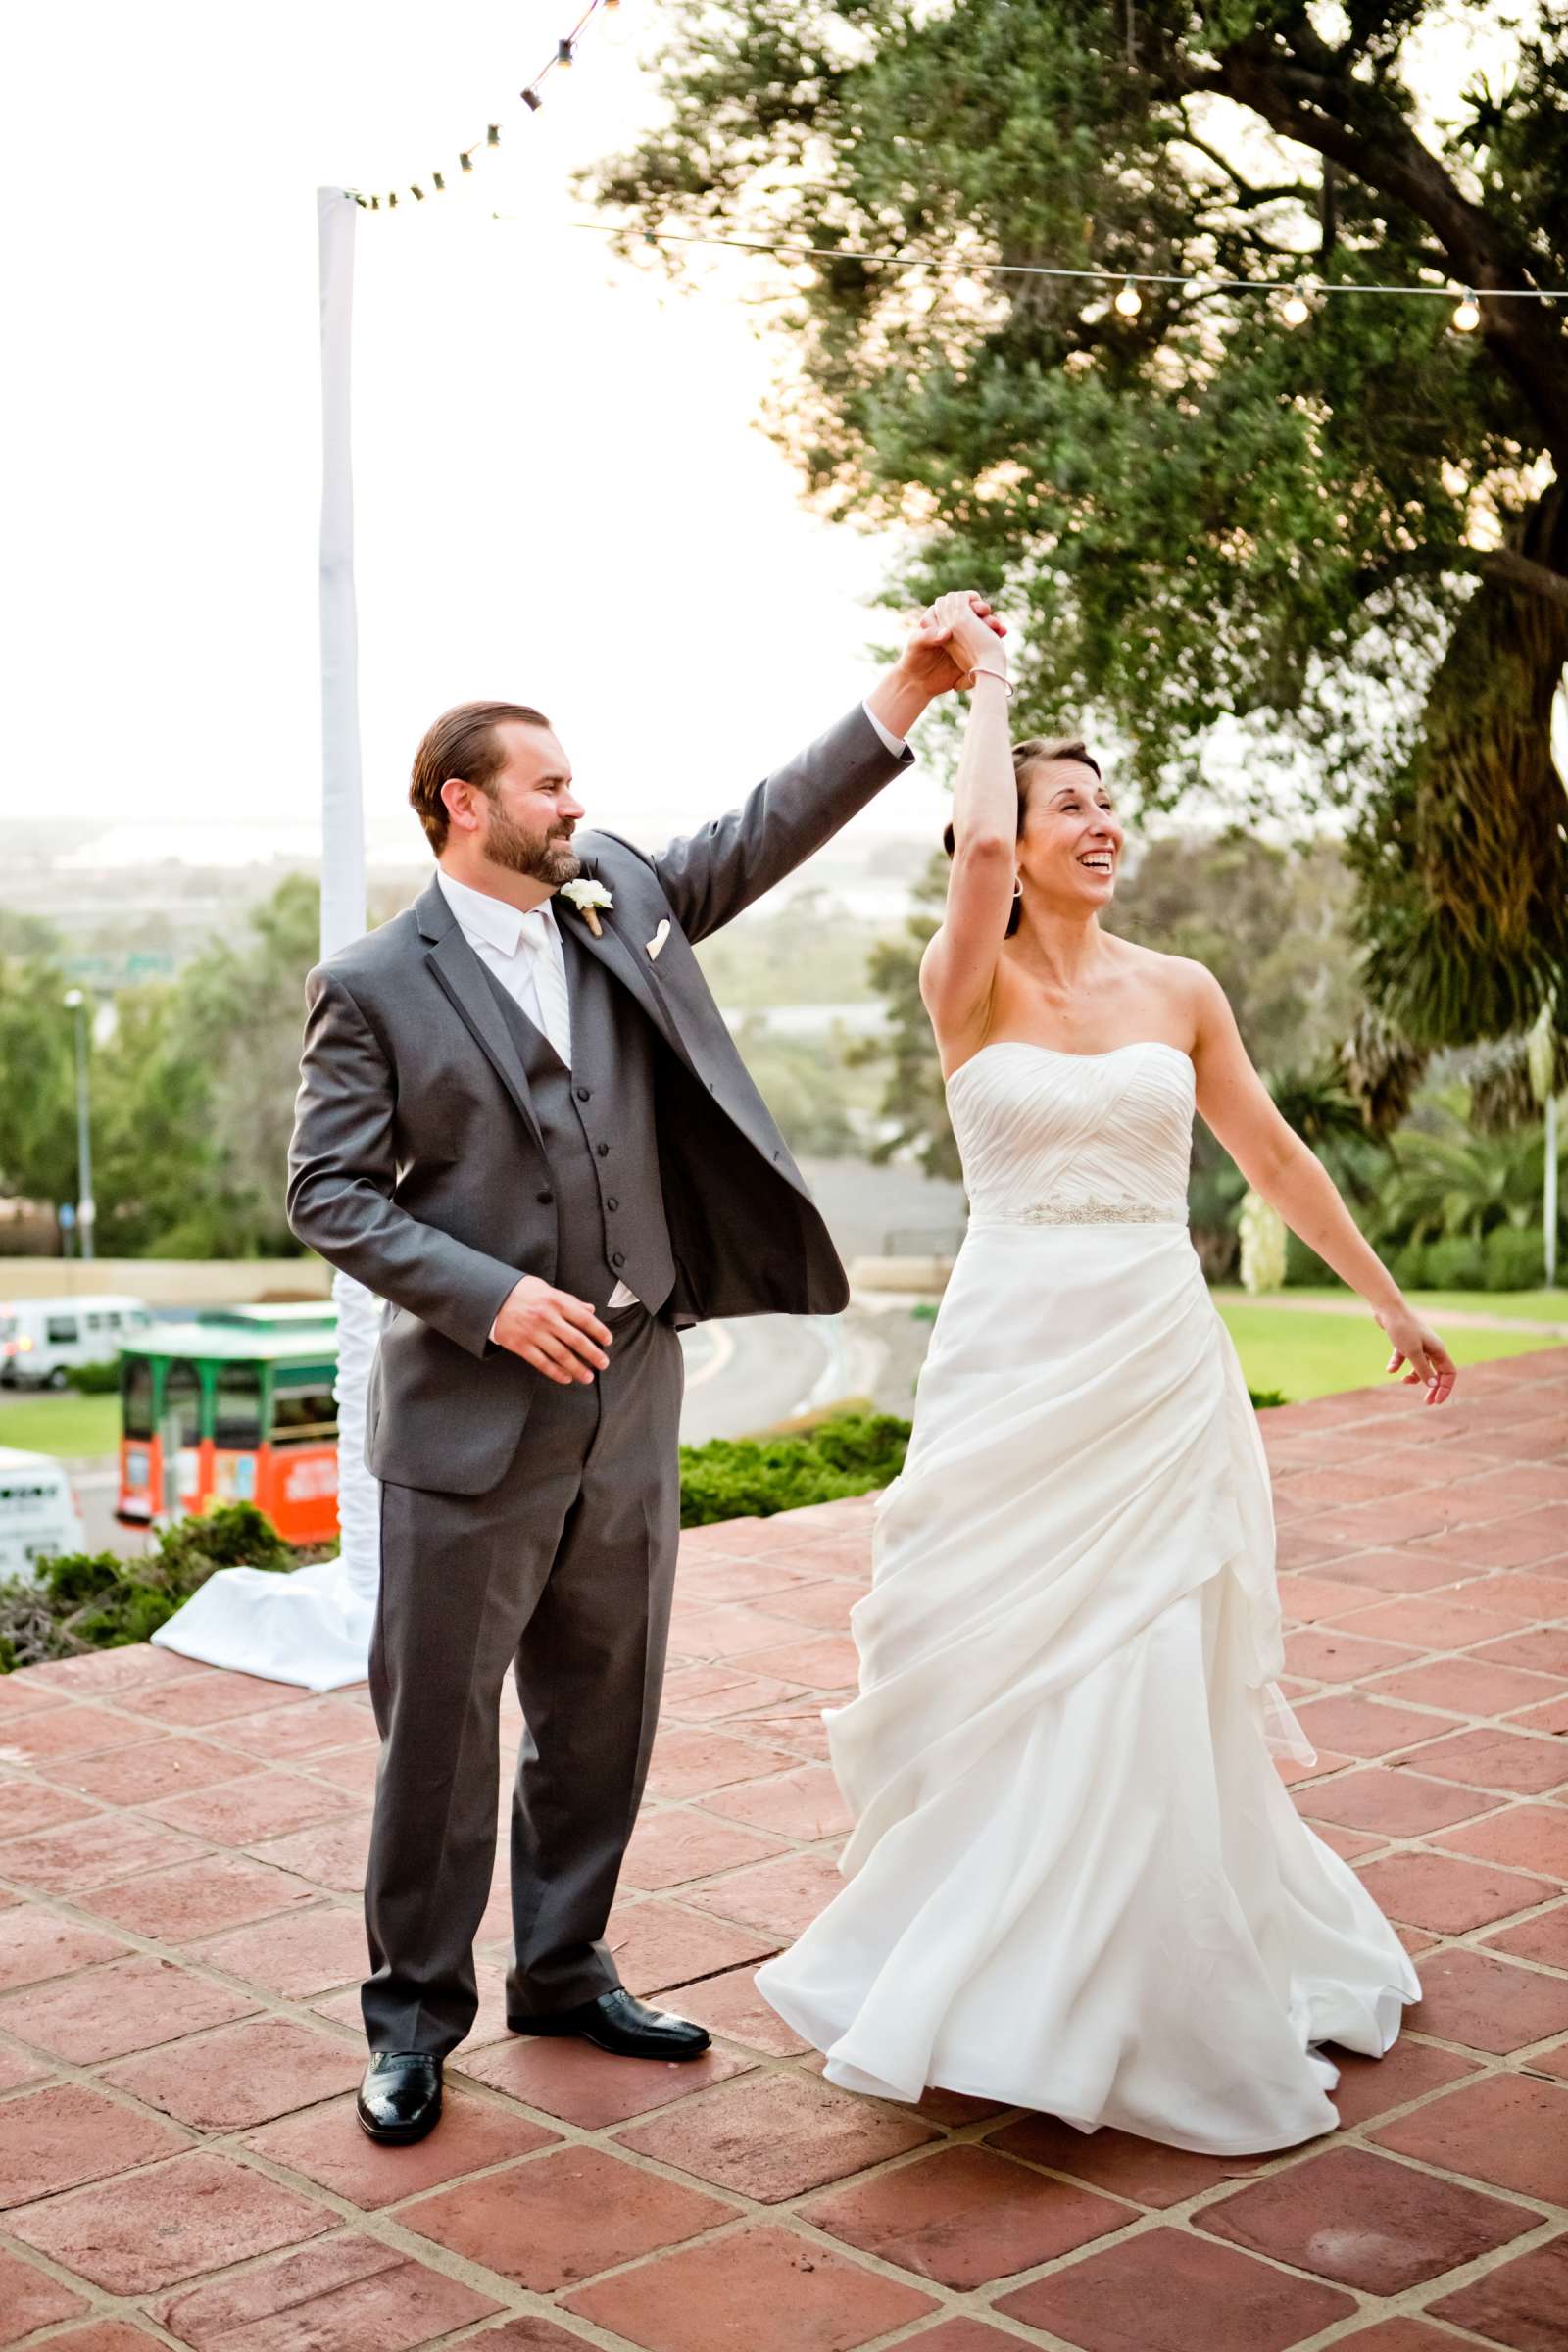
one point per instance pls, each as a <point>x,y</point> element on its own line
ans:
<point>1069,851</point>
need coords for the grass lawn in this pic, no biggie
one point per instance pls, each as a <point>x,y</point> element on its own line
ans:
<point>1531,1306</point>
<point>65,1424</point>
<point>1317,1356</point>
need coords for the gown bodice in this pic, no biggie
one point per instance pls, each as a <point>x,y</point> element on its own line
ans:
<point>1052,1137</point>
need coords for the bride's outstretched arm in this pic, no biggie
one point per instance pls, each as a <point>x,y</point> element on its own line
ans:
<point>1271,1155</point>
<point>958,968</point>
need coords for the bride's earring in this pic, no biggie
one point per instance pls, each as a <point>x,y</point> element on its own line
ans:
<point>1017,887</point>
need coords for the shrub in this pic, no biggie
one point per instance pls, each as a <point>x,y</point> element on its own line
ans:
<point>1513,1258</point>
<point>735,1478</point>
<point>1454,1265</point>
<point>81,1600</point>
<point>94,1379</point>
<point>1303,1265</point>
<point>1408,1266</point>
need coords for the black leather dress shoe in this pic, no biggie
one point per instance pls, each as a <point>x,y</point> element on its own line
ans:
<point>400,2097</point>
<point>616,2021</point>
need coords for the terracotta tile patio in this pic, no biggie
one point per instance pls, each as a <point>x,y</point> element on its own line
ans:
<point>180,1943</point>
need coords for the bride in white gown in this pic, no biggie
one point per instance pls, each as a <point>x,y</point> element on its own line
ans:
<point>1076,1881</point>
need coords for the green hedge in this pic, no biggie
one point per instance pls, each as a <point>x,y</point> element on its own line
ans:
<point>738,1478</point>
<point>1513,1258</point>
<point>1455,1264</point>
<point>91,1600</point>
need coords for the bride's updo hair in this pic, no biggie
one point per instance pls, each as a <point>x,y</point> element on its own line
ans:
<point>1024,757</point>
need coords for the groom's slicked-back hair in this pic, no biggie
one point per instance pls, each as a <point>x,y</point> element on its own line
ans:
<point>462,743</point>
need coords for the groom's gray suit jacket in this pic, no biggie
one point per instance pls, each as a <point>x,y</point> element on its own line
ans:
<point>421,1167</point>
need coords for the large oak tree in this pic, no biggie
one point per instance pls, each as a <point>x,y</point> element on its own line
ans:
<point>1343,545</point>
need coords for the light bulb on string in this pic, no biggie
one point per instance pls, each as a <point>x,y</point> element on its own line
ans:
<point>1295,310</point>
<point>466,161</point>
<point>564,55</point>
<point>492,137</point>
<point>1129,301</point>
<point>532,101</point>
<point>1467,316</point>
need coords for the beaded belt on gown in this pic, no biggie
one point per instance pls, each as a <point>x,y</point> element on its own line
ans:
<point>1102,1209</point>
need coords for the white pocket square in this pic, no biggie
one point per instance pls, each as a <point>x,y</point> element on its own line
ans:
<point>658,938</point>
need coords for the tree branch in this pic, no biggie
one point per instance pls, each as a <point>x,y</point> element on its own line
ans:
<point>1357,127</point>
<point>1245,192</point>
<point>1502,565</point>
<point>1518,571</point>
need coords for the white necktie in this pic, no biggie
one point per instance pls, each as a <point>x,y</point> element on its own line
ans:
<point>549,983</point>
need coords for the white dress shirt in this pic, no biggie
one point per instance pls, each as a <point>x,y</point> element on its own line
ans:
<point>506,939</point>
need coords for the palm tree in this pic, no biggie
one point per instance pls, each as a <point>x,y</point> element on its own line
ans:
<point>1452,1183</point>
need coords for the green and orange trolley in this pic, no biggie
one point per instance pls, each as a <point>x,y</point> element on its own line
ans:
<point>238,1407</point>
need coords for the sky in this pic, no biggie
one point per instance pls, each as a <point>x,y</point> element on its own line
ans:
<point>563,494</point>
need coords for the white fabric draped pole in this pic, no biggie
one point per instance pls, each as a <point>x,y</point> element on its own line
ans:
<point>343,902</point>
<point>313,1626</point>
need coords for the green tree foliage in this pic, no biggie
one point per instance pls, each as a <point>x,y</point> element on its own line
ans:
<point>238,1015</point>
<point>192,1093</point>
<point>37,1070</point>
<point>1348,545</point>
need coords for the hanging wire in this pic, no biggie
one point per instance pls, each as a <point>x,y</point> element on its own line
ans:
<point>558,60</point>
<point>1300,294</point>
<point>1466,317</point>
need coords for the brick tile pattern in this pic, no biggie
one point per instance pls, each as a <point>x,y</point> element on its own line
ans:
<point>180,1947</point>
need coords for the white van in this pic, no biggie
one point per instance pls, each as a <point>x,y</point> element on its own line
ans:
<point>41,1338</point>
<point>38,1510</point>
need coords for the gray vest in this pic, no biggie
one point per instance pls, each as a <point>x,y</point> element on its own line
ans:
<point>600,1136</point>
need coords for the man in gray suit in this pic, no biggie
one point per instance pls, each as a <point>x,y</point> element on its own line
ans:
<point>522,1123</point>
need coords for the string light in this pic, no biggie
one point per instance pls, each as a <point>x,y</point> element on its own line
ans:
<point>1131,279</point>
<point>1295,310</point>
<point>560,61</point>
<point>1129,301</point>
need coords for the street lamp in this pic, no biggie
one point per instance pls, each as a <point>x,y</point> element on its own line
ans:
<point>77,1003</point>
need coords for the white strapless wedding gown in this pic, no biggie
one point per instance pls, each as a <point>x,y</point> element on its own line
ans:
<point>1076,1881</point>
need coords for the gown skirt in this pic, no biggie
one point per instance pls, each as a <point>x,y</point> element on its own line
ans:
<point>1076,1881</point>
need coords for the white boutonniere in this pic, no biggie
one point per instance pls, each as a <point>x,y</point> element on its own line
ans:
<point>586,896</point>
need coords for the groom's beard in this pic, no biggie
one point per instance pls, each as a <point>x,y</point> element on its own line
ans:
<point>548,858</point>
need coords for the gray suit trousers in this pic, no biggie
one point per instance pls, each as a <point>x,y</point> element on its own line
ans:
<point>565,1572</point>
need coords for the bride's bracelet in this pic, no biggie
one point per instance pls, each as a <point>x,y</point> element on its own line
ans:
<point>979,672</point>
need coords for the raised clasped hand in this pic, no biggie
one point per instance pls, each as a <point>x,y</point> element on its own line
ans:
<point>949,638</point>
